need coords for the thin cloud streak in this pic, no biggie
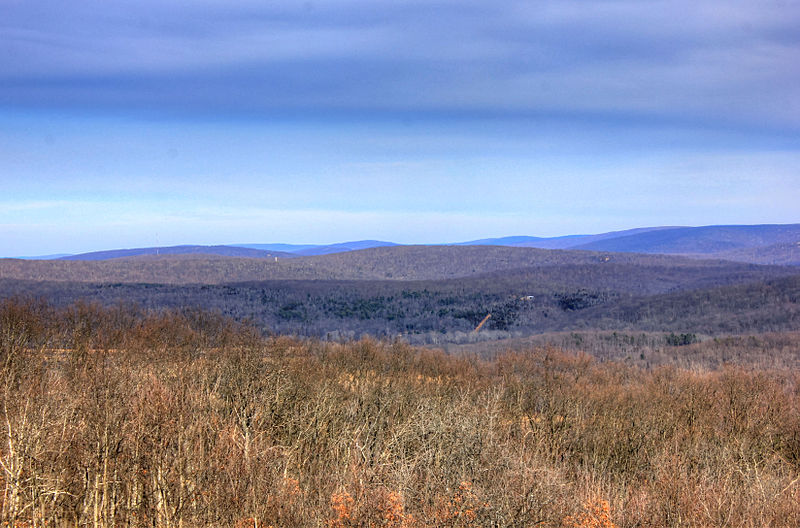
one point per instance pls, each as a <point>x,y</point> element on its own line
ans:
<point>714,62</point>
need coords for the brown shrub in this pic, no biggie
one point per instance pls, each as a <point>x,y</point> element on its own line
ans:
<point>160,422</point>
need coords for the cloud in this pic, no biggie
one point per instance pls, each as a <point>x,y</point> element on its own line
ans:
<point>717,63</point>
<point>15,207</point>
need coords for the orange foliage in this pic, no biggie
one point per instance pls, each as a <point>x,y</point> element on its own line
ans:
<point>462,508</point>
<point>248,522</point>
<point>596,514</point>
<point>291,489</point>
<point>393,509</point>
<point>342,506</point>
<point>381,508</point>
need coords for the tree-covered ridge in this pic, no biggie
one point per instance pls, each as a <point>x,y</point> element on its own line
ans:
<point>384,263</point>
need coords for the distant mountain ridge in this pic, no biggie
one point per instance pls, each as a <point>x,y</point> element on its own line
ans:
<point>223,251</point>
<point>757,244</point>
<point>706,240</point>
<point>777,244</point>
<point>232,250</point>
<point>286,248</point>
<point>344,247</point>
<point>573,241</point>
<point>46,257</point>
<point>559,242</point>
<point>505,241</point>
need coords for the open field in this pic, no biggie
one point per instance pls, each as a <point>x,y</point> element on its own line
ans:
<point>190,419</point>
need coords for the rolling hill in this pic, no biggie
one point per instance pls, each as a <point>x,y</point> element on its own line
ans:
<point>707,240</point>
<point>434,294</point>
<point>560,242</point>
<point>787,254</point>
<point>223,251</point>
<point>381,263</point>
<point>757,244</point>
<point>715,300</point>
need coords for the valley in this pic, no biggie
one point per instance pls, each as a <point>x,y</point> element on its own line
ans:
<point>434,294</point>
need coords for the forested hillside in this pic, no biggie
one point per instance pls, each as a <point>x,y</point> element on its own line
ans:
<point>395,263</point>
<point>526,302</point>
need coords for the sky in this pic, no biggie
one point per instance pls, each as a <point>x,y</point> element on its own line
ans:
<point>143,123</point>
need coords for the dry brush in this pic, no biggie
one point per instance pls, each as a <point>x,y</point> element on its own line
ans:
<point>120,417</point>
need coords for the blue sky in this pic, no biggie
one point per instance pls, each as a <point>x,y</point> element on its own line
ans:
<point>127,124</point>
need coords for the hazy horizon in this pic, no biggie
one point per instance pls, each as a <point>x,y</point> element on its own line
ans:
<point>293,246</point>
<point>140,124</point>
